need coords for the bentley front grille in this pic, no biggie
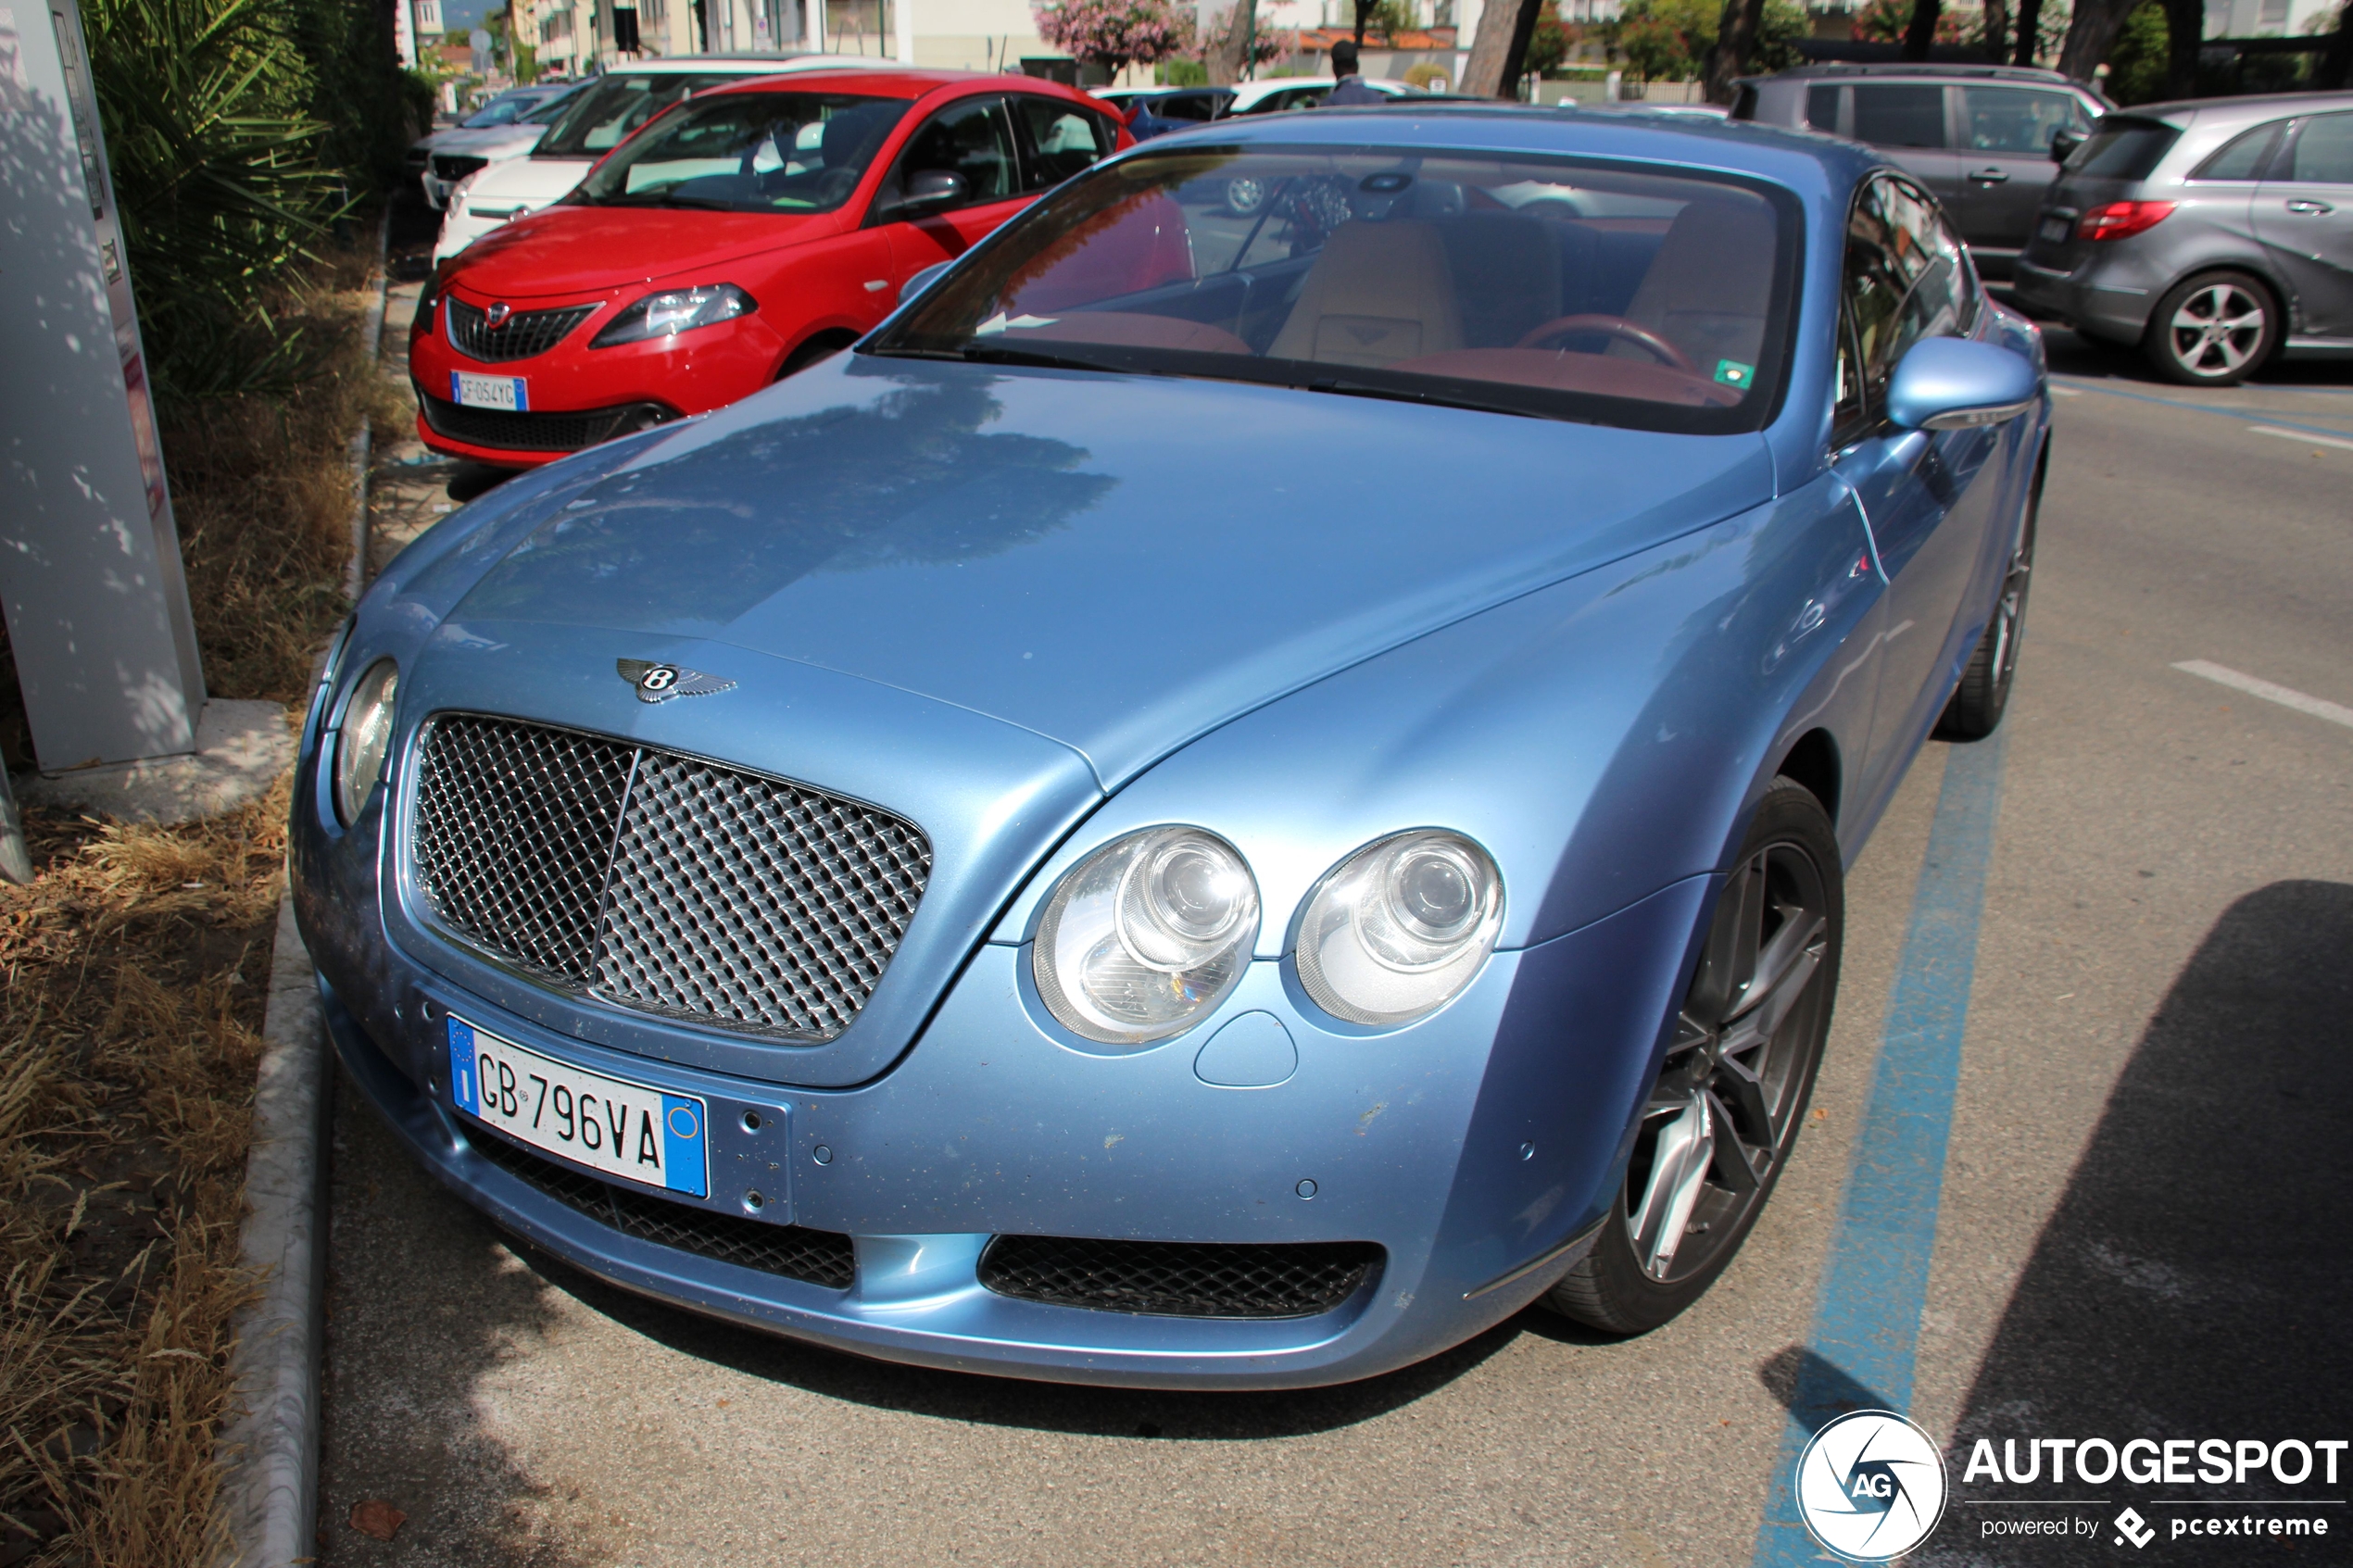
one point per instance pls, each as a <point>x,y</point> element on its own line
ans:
<point>661,882</point>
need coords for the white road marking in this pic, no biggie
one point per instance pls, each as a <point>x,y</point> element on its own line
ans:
<point>2346,442</point>
<point>2286,696</point>
<point>2057,391</point>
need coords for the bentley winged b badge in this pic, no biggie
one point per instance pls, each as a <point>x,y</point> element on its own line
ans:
<point>660,683</point>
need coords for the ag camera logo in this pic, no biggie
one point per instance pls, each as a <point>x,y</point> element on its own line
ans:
<point>1870,1486</point>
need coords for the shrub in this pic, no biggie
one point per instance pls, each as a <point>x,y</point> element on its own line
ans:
<point>1115,33</point>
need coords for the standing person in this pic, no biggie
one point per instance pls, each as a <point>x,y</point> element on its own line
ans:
<point>1351,88</point>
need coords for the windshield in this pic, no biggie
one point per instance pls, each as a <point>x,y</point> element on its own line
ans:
<point>1519,284</point>
<point>501,111</point>
<point>600,118</point>
<point>547,110</point>
<point>749,152</point>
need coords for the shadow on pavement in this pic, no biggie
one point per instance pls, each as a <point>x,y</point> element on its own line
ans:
<point>424,1306</point>
<point>2074,355</point>
<point>2194,1279</point>
<point>1015,1402</point>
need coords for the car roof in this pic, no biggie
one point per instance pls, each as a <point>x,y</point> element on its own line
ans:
<point>745,63</point>
<point>897,81</point>
<point>1803,160</point>
<point>2252,110</point>
<point>1943,69</point>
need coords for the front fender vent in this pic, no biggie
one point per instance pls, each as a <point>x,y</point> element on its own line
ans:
<point>661,882</point>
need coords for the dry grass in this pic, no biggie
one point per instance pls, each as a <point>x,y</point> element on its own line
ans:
<point>137,969</point>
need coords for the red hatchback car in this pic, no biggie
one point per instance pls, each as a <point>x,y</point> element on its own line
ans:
<point>744,233</point>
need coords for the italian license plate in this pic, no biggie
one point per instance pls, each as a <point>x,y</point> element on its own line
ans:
<point>489,391</point>
<point>2056,229</point>
<point>613,1127</point>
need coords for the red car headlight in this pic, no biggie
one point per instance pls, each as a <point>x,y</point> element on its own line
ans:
<point>674,311</point>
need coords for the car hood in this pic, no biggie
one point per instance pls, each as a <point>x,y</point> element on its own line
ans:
<point>529,179</point>
<point>492,141</point>
<point>1117,563</point>
<point>579,249</point>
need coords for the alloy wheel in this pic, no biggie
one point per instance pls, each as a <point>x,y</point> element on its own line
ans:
<point>1719,1115</point>
<point>2218,330</point>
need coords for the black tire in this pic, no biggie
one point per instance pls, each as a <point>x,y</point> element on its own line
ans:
<point>2214,330</point>
<point>1780,920</point>
<point>1977,704</point>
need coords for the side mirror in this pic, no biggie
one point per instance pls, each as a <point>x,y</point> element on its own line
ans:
<point>922,280</point>
<point>928,189</point>
<point>1953,383</point>
<point>2063,142</point>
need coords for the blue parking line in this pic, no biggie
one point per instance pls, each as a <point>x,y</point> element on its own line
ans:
<point>1866,1318</point>
<point>2245,416</point>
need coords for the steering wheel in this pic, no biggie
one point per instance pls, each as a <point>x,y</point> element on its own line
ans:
<point>1618,327</point>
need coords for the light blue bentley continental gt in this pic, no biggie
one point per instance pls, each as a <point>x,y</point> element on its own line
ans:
<point>1230,799</point>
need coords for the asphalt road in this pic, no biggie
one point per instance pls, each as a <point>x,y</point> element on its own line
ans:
<point>2140,1231</point>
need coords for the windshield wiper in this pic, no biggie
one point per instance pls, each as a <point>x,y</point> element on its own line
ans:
<point>1393,395</point>
<point>991,354</point>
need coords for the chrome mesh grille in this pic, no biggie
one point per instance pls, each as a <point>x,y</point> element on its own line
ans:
<point>519,336</point>
<point>661,882</point>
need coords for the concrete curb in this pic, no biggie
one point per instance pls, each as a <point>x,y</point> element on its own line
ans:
<point>269,1484</point>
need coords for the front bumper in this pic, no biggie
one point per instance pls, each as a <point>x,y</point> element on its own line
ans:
<point>1479,1148</point>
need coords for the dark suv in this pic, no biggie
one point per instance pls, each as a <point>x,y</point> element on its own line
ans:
<point>1979,137</point>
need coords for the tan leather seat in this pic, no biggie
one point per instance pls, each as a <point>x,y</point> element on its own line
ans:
<point>1707,289</point>
<point>1379,293</point>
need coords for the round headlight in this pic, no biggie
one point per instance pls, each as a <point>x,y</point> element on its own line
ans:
<point>1145,936</point>
<point>1399,927</point>
<point>365,737</point>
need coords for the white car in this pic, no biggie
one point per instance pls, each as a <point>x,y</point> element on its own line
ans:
<point>450,155</point>
<point>1277,94</point>
<point>499,114</point>
<point>595,120</point>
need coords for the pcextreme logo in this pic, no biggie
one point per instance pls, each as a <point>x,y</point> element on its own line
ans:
<point>1870,1486</point>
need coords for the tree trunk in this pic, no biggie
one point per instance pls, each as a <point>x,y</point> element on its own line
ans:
<point>2090,33</point>
<point>1500,50</point>
<point>2029,25</point>
<point>2337,66</point>
<point>1224,56</point>
<point>1364,20</point>
<point>1922,32</point>
<point>1735,36</point>
<point>2185,19</point>
<point>1996,39</point>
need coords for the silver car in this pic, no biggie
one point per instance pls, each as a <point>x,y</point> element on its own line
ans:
<point>2212,234</point>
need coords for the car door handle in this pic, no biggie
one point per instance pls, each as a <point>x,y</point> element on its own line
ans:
<point>1991,176</point>
<point>2301,204</point>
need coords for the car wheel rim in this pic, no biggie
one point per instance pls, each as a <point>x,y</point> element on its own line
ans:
<point>1243,195</point>
<point>1719,1115</point>
<point>2217,329</point>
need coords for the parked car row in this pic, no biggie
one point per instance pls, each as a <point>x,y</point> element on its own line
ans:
<point>742,223</point>
<point>1154,111</point>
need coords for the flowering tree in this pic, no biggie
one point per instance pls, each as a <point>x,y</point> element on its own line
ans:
<point>1114,33</point>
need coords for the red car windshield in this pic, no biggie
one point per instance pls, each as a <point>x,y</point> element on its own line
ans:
<point>749,152</point>
<point>1520,283</point>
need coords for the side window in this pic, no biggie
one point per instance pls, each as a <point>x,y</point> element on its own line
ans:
<point>2323,153</point>
<point>1821,107</point>
<point>2245,156</point>
<point>1894,115</point>
<point>1062,137</point>
<point>1907,279</point>
<point>2016,119</point>
<point>974,139</point>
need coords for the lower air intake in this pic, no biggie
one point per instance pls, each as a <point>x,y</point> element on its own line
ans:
<point>818,1257</point>
<point>1180,1279</point>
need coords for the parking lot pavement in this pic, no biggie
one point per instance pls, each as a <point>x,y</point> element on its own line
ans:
<point>2138,1227</point>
